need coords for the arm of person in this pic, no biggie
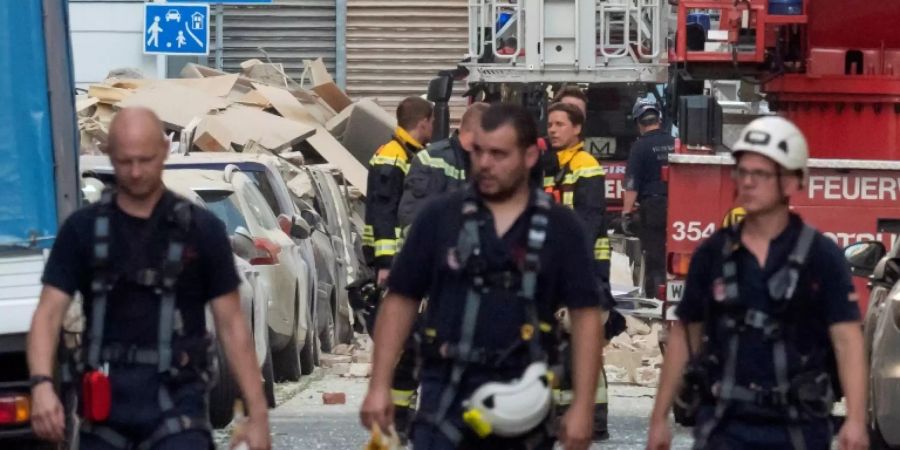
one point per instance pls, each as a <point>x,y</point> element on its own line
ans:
<point>587,331</point>
<point>675,361</point>
<point>47,414</point>
<point>629,198</point>
<point>235,337</point>
<point>383,202</point>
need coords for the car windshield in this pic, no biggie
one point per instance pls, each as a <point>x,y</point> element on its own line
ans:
<point>222,206</point>
<point>265,187</point>
<point>259,207</point>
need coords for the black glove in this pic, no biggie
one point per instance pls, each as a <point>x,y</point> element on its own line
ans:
<point>615,325</point>
<point>629,224</point>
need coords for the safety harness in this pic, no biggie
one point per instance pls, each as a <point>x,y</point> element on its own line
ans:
<point>472,263</point>
<point>170,332</point>
<point>800,396</point>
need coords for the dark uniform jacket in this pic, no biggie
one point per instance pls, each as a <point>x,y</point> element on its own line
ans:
<point>442,167</point>
<point>388,168</point>
<point>649,155</point>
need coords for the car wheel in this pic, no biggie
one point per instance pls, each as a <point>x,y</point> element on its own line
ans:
<point>343,330</point>
<point>327,331</point>
<point>287,360</point>
<point>308,355</point>
<point>223,394</point>
<point>268,373</point>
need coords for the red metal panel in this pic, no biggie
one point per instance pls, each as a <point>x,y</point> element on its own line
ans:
<point>854,23</point>
<point>845,205</point>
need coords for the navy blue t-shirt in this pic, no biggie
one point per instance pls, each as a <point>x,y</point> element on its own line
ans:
<point>649,154</point>
<point>135,243</point>
<point>423,269</point>
<point>825,297</point>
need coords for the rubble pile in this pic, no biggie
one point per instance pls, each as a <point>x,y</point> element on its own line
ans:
<point>634,357</point>
<point>259,109</point>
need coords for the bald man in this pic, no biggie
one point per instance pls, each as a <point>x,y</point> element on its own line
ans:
<point>147,263</point>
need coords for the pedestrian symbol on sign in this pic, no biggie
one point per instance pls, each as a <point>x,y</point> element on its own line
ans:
<point>154,31</point>
<point>197,21</point>
<point>180,39</point>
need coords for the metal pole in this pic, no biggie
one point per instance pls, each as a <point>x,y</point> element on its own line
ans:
<point>340,64</point>
<point>220,52</point>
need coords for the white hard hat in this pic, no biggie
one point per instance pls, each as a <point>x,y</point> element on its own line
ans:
<point>513,408</point>
<point>777,139</point>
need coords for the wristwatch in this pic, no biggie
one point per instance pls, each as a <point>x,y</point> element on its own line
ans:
<point>38,379</point>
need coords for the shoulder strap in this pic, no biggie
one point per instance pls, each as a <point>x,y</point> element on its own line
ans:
<point>783,284</point>
<point>180,217</point>
<point>537,236</point>
<point>100,285</point>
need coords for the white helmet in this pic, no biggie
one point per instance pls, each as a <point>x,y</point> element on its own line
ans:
<point>511,409</point>
<point>777,139</point>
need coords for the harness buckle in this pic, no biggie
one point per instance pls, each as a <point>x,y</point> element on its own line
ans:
<point>147,277</point>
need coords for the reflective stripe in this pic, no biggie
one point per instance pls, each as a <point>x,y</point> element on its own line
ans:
<point>368,237</point>
<point>601,249</point>
<point>568,199</point>
<point>548,182</point>
<point>440,164</point>
<point>402,398</point>
<point>587,172</point>
<point>385,247</point>
<point>397,162</point>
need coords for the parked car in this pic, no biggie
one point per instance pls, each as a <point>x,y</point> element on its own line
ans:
<point>254,290</point>
<point>881,327</point>
<point>314,185</point>
<point>266,171</point>
<point>259,238</point>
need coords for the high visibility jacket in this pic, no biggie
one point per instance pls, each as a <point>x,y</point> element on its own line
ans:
<point>577,180</point>
<point>387,169</point>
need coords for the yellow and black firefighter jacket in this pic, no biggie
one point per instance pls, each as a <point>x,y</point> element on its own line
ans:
<point>577,180</point>
<point>387,170</point>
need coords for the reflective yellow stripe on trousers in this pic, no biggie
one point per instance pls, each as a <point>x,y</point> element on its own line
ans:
<point>402,398</point>
<point>601,249</point>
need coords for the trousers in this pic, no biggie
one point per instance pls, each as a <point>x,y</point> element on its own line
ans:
<point>653,242</point>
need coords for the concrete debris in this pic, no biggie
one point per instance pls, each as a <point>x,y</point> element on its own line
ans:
<point>342,349</point>
<point>334,398</point>
<point>359,370</point>
<point>362,357</point>
<point>261,104</point>
<point>328,360</point>
<point>636,326</point>
<point>341,369</point>
<point>125,72</point>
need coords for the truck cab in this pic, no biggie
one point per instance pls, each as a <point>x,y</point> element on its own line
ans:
<point>38,171</point>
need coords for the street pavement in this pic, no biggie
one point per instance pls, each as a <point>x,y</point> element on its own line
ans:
<point>305,422</point>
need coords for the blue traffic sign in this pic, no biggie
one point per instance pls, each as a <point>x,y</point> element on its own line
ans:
<point>228,2</point>
<point>176,29</point>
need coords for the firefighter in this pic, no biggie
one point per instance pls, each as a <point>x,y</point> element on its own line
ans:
<point>495,261</point>
<point>381,237</point>
<point>388,169</point>
<point>769,329</point>
<point>576,180</point>
<point>644,185</point>
<point>443,167</point>
<point>146,263</point>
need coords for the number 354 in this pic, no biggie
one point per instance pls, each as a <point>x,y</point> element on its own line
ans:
<point>692,231</point>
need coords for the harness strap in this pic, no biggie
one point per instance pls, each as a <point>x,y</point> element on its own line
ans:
<point>99,285</point>
<point>170,426</point>
<point>469,246</point>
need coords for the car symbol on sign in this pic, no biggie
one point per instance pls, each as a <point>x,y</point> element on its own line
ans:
<point>173,14</point>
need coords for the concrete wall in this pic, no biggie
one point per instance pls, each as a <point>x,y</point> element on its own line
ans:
<point>109,35</point>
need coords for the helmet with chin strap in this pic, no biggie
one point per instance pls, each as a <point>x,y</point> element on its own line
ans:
<point>775,138</point>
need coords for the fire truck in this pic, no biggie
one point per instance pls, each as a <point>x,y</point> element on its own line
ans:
<point>830,66</point>
<point>526,50</point>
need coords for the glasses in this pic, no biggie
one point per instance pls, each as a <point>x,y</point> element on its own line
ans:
<point>755,176</point>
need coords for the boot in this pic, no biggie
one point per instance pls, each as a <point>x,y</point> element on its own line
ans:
<point>403,418</point>
<point>601,429</point>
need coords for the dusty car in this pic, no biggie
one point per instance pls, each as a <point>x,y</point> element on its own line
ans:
<point>259,238</point>
<point>881,327</point>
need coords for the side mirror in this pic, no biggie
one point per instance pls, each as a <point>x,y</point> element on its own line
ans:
<point>295,226</point>
<point>311,218</point>
<point>242,243</point>
<point>864,256</point>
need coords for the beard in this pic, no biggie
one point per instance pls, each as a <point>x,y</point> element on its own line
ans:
<point>504,191</point>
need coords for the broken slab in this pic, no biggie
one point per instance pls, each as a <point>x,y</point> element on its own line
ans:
<point>286,104</point>
<point>324,85</point>
<point>108,94</point>
<point>254,98</point>
<point>219,86</point>
<point>329,148</point>
<point>367,127</point>
<point>175,105</point>
<point>212,135</point>
<point>270,131</point>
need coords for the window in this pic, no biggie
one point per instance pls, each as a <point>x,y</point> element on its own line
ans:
<point>258,206</point>
<point>223,206</point>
